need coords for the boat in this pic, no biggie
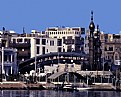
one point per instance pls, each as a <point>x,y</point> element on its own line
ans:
<point>70,87</point>
<point>83,88</point>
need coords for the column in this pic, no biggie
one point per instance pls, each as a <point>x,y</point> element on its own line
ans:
<point>15,67</point>
<point>2,60</point>
<point>11,58</point>
<point>11,70</point>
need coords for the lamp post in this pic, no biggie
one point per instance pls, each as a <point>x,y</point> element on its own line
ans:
<point>19,76</point>
<point>82,63</point>
<point>46,75</point>
<point>58,57</point>
<point>87,77</point>
<point>103,66</point>
<point>2,66</point>
<point>102,78</point>
<point>35,51</point>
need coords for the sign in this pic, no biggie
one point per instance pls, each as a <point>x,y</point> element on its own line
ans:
<point>117,62</point>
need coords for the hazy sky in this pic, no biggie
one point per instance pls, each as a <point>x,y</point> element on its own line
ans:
<point>40,14</point>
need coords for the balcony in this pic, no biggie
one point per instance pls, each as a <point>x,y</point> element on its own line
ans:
<point>23,53</point>
<point>20,45</point>
<point>118,41</point>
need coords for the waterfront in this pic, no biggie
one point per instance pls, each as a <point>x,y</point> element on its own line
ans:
<point>51,93</point>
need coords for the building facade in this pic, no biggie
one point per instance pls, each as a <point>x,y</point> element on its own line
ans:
<point>110,46</point>
<point>71,37</point>
<point>8,55</point>
<point>53,39</point>
<point>94,46</point>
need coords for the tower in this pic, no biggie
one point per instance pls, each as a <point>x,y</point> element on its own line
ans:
<point>91,41</point>
<point>94,47</point>
<point>97,50</point>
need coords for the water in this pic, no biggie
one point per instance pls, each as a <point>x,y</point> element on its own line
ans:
<point>50,93</point>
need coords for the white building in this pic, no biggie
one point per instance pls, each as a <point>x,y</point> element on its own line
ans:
<point>8,55</point>
<point>71,37</point>
<point>54,39</point>
<point>10,61</point>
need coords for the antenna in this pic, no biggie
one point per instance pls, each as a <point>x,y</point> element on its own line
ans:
<point>91,15</point>
<point>23,30</point>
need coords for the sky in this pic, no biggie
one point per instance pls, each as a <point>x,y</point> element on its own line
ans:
<point>41,14</point>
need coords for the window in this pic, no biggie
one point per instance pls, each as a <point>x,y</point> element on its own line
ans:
<point>59,42</point>
<point>105,48</point>
<point>5,57</point>
<point>59,49</point>
<point>43,50</point>
<point>43,41</point>
<point>69,48</point>
<point>52,43</point>
<point>69,37</point>
<point>19,40</point>
<point>37,41</point>
<point>110,48</point>
<point>64,40</point>
<point>63,50</point>
<point>27,40</point>
<point>116,57</point>
<point>38,48</point>
<point>14,40</point>
<point>105,57</point>
<point>82,30</point>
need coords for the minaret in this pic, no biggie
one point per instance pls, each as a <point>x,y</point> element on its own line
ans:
<point>91,41</point>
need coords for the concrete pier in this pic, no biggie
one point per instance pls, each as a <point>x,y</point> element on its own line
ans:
<point>40,86</point>
<point>20,85</point>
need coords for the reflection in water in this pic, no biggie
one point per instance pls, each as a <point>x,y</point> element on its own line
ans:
<point>50,93</point>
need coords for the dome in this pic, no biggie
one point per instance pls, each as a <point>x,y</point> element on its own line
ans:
<point>92,26</point>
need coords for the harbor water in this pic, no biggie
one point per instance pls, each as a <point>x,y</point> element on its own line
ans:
<point>51,93</point>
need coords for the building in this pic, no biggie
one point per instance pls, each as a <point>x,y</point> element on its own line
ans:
<point>110,47</point>
<point>71,37</point>
<point>54,39</point>
<point>8,55</point>
<point>94,45</point>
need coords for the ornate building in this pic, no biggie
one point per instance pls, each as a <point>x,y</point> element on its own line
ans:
<point>110,45</point>
<point>94,47</point>
<point>8,56</point>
